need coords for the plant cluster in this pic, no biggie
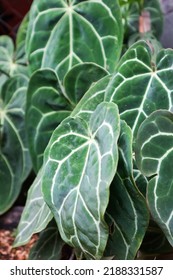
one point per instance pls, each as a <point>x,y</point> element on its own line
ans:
<point>86,102</point>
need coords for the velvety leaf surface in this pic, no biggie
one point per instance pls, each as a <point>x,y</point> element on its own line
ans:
<point>141,85</point>
<point>79,79</point>
<point>154,153</point>
<point>127,211</point>
<point>48,103</point>
<point>64,33</point>
<point>79,166</point>
<point>93,97</point>
<point>14,155</point>
<point>49,245</point>
<point>46,108</point>
<point>31,223</point>
<point>36,214</point>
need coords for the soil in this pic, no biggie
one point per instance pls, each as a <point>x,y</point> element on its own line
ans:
<point>7,252</point>
<point>8,225</point>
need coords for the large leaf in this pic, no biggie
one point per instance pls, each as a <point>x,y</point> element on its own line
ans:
<point>11,62</point>
<point>141,85</point>
<point>14,156</point>
<point>127,211</point>
<point>154,154</point>
<point>36,214</point>
<point>49,245</point>
<point>48,105</point>
<point>63,33</point>
<point>31,223</point>
<point>79,166</point>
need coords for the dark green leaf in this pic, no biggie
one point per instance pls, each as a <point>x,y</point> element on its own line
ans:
<point>49,245</point>
<point>15,162</point>
<point>140,87</point>
<point>48,103</point>
<point>62,34</point>
<point>154,154</point>
<point>79,166</point>
<point>127,211</point>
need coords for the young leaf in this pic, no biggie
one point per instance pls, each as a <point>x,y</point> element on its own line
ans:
<point>127,211</point>
<point>48,104</point>
<point>154,153</point>
<point>36,214</point>
<point>139,87</point>
<point>64,33</point>
<point>79,166</point>
<point>15,162</point>
<point>49,245</point>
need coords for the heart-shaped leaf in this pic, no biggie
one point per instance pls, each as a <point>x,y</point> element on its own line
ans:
<point>35,216</point>
<point>79,166</point>
<point>141,86</point>
<point>127,210</point>
<point>48,104</point>
<point>15,162</point>
<point>63,33</point>
<point>31,223</point>
<point>154,154</point>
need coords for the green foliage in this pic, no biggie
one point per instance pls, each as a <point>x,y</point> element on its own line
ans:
<point>14,155</point>
<point>49,246</point>
<point>58,28</point>
<point>15,163</point>
<point>36,214</point>
<point>154,152</point>
<point>99,124</point>
<point>48,105</point>
<point>89,161</point>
